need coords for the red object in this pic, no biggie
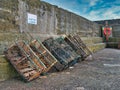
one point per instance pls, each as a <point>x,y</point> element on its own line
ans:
<point>107,32</point>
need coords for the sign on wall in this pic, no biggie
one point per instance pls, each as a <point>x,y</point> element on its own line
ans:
<point>32,19</point>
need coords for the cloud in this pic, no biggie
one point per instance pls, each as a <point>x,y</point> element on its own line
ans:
<point>93,15</point>
<point>93,2</point>
<point>104,13</point>
<point>113,12</point>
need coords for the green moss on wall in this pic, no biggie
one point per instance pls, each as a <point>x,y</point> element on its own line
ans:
<point>33,3</point>
<point>48,6</point>
<point>9,4</point>
<point>6,26</point>
<point>6,69</point>
<point>8,12</point>
<point>6,16</point>
<point>9,37</point>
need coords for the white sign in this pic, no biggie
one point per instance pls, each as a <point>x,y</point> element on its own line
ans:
<point>32,19</point>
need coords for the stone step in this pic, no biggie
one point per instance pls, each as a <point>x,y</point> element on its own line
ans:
<point>114,39</point>
<point>15,35</point>
<point>94,43</point>
<point>112,44</point>
<point>8,37</point>
<point>96,47</point>
<point>92,40</point>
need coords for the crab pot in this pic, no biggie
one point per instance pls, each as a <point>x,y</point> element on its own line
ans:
<point>62,52</point>
<point>44,55</point>
<point>24,61</point>
<point>77,44</point>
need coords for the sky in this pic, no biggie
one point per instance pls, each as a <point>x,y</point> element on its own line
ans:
<point>91,9</point>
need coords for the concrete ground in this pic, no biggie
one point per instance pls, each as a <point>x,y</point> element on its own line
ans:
<point>102,73</point>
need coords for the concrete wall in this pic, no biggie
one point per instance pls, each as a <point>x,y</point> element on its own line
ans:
<point>53,20</point>
<point>9,16</point>
<point>116,30</point>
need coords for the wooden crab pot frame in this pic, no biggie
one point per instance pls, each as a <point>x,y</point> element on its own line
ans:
<point>45,56</point>
<point>24,60</point>
<point>78,45</point>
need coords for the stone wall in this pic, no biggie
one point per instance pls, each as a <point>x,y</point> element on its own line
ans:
<point>52,20</point>
<point>116,30</point>
<point>9,16</point>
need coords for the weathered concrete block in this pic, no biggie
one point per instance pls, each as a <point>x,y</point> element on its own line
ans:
<point>91,40</point>
<point>7,39</point>
<point>96,47</point>
<point>94,43</point>
<point>113,42</point>
<point>114,39</point>
<point>6,69</point>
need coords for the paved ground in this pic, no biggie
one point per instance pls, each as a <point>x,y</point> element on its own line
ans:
<point>102,73</point>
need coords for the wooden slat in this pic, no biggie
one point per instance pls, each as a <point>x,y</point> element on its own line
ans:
<point>26,63</point>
